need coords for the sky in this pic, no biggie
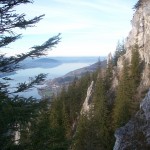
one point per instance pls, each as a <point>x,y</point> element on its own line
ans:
<point>87,27</point>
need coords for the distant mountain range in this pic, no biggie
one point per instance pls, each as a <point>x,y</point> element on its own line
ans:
<point>51,62</point>
<point>55,85</point>
<point>39,63</point>
<point>80,59</point>
<point>35,63</point>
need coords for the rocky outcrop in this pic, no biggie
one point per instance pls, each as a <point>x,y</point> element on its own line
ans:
<point>88,100</point>
<point>85,107</point>
<point>109,58</point>
<point>140,34</point>
<point>135,135</point>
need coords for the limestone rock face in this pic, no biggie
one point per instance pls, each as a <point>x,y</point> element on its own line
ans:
<point>140,34</point>
<point>88,100</point>
<point>135,135</point>
<point>109,58</point>
<point>145,106</point>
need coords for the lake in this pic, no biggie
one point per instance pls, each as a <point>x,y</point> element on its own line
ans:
<point>66,66</point>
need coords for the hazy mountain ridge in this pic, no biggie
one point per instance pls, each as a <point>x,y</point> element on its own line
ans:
<point>39,63</point>
<point>34,63</point>
<point>55,85</point>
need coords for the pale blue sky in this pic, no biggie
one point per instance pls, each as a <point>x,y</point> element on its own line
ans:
<point>87,27</point>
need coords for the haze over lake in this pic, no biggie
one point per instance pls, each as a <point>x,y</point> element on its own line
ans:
<point>53,67</point>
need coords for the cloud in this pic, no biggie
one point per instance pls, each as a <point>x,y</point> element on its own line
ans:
<point>74,16</point>
<point>87,27</point>
<point>101,5</point>
<point>46,27</point>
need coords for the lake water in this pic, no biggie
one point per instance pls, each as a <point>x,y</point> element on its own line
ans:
<point>24,74</point>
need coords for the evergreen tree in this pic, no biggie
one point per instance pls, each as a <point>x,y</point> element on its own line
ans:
<point>75,96</point>
<point>59,118</point>
<point>40,136</point>
<point>108,75</point>
<point>135,67</point>
<point>120,50</point>
<point>85,136</point>
<point>135,75</point>
<point>101,115</point>
<point>123,101</point>
<point>93,131</point>
<point>16,112</point>
<point>48,131</point>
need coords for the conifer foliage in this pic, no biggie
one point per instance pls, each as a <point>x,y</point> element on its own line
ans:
<point>120,50</point>
<point>93,131</point>
<point>135,67</point>
<point>16,112</point>
<point>58,124</point>
<point>55,126</point>
<point>101,115</point>
<point>123,101</point>
<point>128,84</point>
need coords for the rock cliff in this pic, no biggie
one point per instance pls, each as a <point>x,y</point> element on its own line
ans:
<point>88,99</point>
<point>135,135</point>
<point>140,34</point>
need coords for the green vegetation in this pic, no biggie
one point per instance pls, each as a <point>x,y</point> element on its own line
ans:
<point>108,75</point>
<point>126,101</point>
<point>135,67</point>
<point>120,50</point>
<point>123,101</point>
<point>94,129</point>
<point>58,124</point>
<point>16,113</point>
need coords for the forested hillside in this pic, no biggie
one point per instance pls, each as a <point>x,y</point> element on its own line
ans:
<point>59,123</point>
<point>63,123</point>
<point>109,109</point>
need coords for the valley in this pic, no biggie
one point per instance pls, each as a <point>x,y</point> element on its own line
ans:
<point>54,67</point>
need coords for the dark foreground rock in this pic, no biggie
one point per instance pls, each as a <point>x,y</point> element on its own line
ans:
<point>135,135</point>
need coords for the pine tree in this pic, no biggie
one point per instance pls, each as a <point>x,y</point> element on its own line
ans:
<point>40,136</point>
<point>135,76</point>
<point>135,67</point>
<point>108,75</point>
<point>49,131</point>
<point>93,128</point>
<point>59,123</point>
<point>101,115</point>
<point>85,135</point>
<point>16,112</point>
<point>120,50</point>
<point>123,101</point>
